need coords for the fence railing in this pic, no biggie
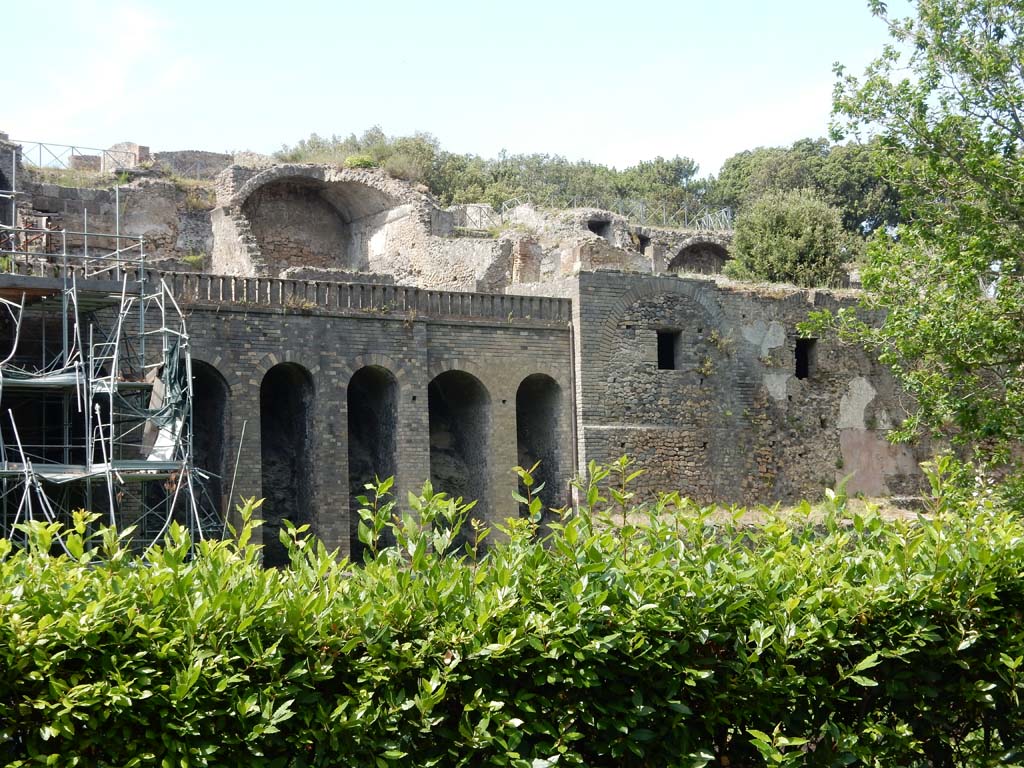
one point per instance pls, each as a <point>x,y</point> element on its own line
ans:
<point>41,154</point>
<point>637,211</point>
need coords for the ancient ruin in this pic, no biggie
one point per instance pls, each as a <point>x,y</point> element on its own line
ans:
<point>341,325</point>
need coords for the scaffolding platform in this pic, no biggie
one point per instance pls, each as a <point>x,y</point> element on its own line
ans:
<point>95,388</point>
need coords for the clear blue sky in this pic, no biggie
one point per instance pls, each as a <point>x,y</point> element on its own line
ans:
<point>612,82</point>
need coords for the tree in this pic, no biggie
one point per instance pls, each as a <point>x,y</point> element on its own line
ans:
<point>850,178</point>
<point>945,100</point>
<point>844,175</point>
<point>791,237</point>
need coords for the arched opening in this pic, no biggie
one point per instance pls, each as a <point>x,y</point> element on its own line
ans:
<point>372,419</point>
<point>704,258</point>
<point>460,425</point>
<point>210,419</point>
<point>538,418</point>
<point>286,411</point>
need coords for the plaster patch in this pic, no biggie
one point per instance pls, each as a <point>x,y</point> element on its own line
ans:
<point>858,396</point>
<point>870,460</point>
<point>776,384</point>
<point>766,336</point>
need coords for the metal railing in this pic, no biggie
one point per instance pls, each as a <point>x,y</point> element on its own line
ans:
<point>42,154</point>
<point>637,211</point>
<point>52,252</point>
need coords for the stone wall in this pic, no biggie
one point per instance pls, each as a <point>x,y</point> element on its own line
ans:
<point>10,173</point>
<point>728,419</point>
<point>168,217</point>
<point>124,154</point>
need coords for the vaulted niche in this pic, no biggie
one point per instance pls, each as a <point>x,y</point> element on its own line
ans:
<point>294,224</point>
<point>601,227</point>
<point>303,221</point>
<point>372,419</point>
<point>460,423</point>
<point>209,435</point>
<point>704,258</point>
<point>286,411</point>
<point>538,419</point>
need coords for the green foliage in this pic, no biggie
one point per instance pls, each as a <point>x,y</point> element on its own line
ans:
<point>846,176</point>
<point>677,639</point>
<point>944,101</point>
<point>791,237</point>
<point>546,179</point>
<point>194,259</point>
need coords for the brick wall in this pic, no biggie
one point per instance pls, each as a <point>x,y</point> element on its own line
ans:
<point>413,334</point>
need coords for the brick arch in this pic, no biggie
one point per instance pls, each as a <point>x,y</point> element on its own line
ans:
<point>551,371</point>
<point>269,360</point>
<point>397,368</point>
<point>389,191</point>
<point>444,364</point>
<point>231,378</point>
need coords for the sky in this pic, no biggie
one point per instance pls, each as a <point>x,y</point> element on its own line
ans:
<point>610,82</point>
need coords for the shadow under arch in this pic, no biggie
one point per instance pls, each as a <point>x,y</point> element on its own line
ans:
<point>538,426</point>
<point>286,454</point>
<point>372,425</point>
<point>459,410</point>
<point>211,417</point>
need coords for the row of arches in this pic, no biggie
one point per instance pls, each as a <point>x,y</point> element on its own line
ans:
<point>460,424</point>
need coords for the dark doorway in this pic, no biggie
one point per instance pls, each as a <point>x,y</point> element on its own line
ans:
<point>538,417</point>
<point>460,425</point>
<point>806,357</point>
<point>372,419</point>
<point>286,411</point>
<point>668,348</point>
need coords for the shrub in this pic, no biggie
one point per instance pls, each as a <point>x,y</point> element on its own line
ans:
<point>686,640</point>
<point>359,161</point>
<point>791,237</point>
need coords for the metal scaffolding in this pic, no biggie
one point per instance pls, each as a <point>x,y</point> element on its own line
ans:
<point>95,387</point>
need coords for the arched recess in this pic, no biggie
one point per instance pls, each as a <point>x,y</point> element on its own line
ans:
<point>286,454</point>
<point>459,409</point>
<point>538,425</point>
<point>702,257</point>
<point>211,416</point>
<point>372,424</point>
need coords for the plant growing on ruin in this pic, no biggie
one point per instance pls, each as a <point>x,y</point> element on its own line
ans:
<point>791,237</point>
<point>359,161</point>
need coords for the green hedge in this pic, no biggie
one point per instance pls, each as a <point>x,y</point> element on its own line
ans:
<point>686,640</point>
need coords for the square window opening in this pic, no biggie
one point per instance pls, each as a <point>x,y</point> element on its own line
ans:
<point>642,243</point>
<point>806,357</point>
<point>668,347</point>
